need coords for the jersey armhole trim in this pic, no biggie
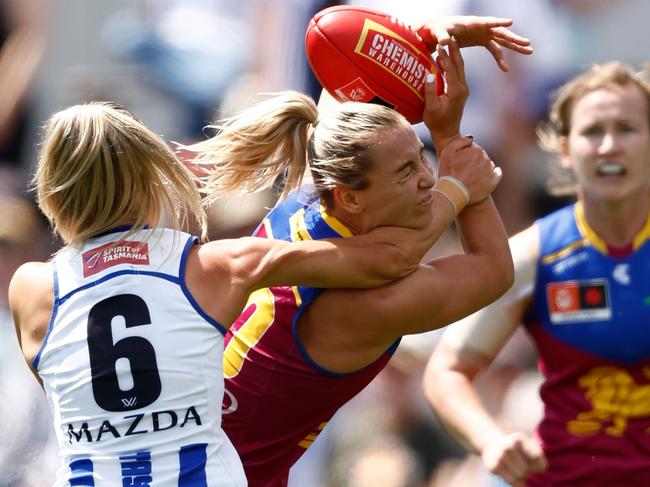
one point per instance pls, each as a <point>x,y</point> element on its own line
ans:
<point>313,364</point>
<point>50,325</point>
<point>181,277</point>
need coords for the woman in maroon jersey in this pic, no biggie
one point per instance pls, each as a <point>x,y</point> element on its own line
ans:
<point>580,291</point>
<point>297,354</point>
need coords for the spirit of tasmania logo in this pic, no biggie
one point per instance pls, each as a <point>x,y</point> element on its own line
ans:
<point>114,253</point>
<point>394,54</point>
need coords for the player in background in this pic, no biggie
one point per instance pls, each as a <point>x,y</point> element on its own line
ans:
<point>124,326</point>
<point>297,354</point>
<point>581,291</point>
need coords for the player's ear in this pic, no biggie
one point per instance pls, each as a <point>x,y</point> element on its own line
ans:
<point>348,200</point>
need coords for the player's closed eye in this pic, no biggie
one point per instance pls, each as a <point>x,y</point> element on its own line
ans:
<point>626,127</point>
<point>592,130</point>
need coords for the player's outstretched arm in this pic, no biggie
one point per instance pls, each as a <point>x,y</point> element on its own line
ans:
<point>493,33</point>
<point>448,387</point>
<point>465,349</point>
<point>221,274</point>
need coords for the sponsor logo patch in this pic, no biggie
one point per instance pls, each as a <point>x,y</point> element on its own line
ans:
<point>621,274</point>
<point>356,90</point>
<point>114,253</point>
<point>578,301</point>
<point>395,54</point>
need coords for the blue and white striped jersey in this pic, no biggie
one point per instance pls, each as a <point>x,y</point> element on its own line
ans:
<point>132,368</point>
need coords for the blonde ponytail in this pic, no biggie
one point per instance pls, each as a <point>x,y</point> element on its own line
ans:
<point>252,149</point>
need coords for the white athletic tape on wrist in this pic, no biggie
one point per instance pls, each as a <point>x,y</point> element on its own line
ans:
<point>454,190</point>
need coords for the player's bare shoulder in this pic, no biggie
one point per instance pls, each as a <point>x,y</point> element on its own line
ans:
<point>32,285</point>
<point>31,300</point>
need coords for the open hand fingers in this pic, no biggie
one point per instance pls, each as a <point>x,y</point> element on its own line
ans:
<point>453,67</point>
<point>467,27</point>
<point>497,53</point>
<point>490,22</point>
<point>459,143</point>
<point>457,59</point>
<point>495,47</point>
<point>431,98</point>
<point>512,45</point>
<point>507,34</point>
<point>443,36</point>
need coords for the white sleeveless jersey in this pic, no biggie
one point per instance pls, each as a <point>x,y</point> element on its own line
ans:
<point>133,368</point>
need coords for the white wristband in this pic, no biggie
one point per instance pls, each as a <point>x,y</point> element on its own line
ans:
<point>454,190</point>
<point>458,183</point>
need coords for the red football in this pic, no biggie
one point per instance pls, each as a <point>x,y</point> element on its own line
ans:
<point>359,54</point>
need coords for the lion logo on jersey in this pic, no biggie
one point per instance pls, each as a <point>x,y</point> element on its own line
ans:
<point>615,398</point>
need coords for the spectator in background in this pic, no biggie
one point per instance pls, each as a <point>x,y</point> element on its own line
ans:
<point>22,43</point>
<point>581,290</point>
<point>194,50</point>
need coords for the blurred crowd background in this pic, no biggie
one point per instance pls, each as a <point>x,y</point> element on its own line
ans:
<point>179,64</point>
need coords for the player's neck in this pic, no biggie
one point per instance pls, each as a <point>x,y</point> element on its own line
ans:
<point>617,224</point>
<point>355,222</point>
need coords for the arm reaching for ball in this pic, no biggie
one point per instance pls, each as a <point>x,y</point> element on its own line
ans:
<point>470,30</point>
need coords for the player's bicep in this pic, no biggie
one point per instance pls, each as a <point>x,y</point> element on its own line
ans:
<point>353,262</point>
<point>449,289</point>
<point>431,297</point>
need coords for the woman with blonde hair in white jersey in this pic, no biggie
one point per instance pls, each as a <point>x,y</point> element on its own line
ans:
<point>124,326</point>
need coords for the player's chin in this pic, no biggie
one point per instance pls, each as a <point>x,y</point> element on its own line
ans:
<point>419,218</point>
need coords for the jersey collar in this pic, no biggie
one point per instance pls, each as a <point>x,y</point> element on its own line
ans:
<point>596,241</point>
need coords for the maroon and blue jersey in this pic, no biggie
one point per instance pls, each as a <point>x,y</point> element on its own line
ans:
<point>277,398</point>
<point>590,319</point>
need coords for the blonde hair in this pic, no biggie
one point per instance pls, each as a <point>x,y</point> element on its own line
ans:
<point>598,76</point>
<point>251,150</point>
<point>100,168</point>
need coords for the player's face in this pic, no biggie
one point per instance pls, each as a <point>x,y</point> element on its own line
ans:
<point>608,146</point>
<point>400,180</point>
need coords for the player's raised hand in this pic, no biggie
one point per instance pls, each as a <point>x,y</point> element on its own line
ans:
<point>443,112</point>
<point>513,457</point>
<point>466,161</point>
<point>470,30</point>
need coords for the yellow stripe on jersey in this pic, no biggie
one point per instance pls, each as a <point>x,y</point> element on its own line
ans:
<point>547,259</point>
<point>587,231</point>
<point>298,227</point>
<point>643,235</point>
<point>311,437</point>
<point>598,242</point>
<point>298,233</point>
<point>296,295</point>
<point>588,237</point>
<point>250,332</point>
<point>336,225</point>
